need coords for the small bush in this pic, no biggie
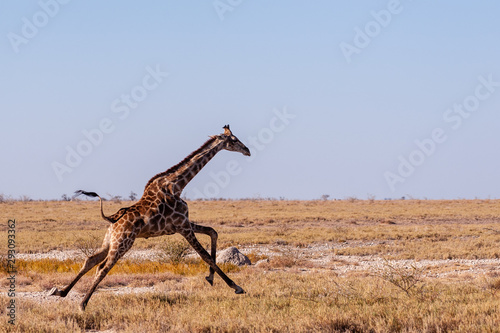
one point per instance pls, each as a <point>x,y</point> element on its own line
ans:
<point>174,251</point>
<point>255,257</point>
<point>288,258</point>
<point>25,198</point>
<point>408,278</point>
<point>4,264</point>
<point>492,285</point>
<point>88,245</point>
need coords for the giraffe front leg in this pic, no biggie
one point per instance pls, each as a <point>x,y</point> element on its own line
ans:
<point>213,247</point>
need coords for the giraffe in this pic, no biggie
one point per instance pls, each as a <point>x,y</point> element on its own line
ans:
<point>160,211</point>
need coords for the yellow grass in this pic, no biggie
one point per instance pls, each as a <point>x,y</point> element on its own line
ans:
<point>279,302</point>
<point>263,212</point>
<point>286,294</point>
<point>187,267</point>
<point>43,226</point>
<point>411,229</point>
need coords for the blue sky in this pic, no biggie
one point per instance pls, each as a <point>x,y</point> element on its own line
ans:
<point>372,98</point>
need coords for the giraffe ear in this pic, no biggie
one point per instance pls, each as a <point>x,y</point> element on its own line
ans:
<point>227,131</point>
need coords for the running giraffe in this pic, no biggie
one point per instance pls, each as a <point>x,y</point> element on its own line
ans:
<point>160,211</point>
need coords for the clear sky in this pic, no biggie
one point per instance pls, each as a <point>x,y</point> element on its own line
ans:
<point>358,99</point>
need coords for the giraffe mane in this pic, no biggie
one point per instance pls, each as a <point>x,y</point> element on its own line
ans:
<point>184,161</point>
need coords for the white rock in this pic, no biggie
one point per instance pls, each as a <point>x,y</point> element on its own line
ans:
<point>233,256</point>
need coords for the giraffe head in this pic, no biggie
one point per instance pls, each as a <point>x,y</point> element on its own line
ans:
<point>231,142</point>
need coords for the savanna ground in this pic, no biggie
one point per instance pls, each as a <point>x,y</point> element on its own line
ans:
<point>323,266</point>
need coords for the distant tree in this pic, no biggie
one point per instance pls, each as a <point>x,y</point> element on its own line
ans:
<point>351,199</point>
<point>325,197</point>
<point>115,198</point>
<point>65,197</point>
<point>25,198</point>
<point>132,196</point>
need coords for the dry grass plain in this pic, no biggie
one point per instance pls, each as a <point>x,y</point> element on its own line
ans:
<point>329,266</point>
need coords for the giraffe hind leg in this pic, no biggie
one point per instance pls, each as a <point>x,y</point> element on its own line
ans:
<point>191,238</point>
<point>113,256</point>
<point>90,263</point>
<point>213,246</point>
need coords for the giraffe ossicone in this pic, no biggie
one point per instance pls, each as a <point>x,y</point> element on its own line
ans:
<point>160,211</point>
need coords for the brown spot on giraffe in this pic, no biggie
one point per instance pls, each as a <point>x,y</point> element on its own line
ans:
<point>160,211</point>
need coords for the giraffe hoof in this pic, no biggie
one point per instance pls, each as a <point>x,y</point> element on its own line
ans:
<point>83,306</point>
<point>239,291</point>
<point>54,292</point>
<point>209,280</point>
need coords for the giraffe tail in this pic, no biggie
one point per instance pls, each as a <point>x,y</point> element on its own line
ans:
<point>95,195</point>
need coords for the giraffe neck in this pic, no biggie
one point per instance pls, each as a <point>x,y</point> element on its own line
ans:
<point>191,167</point>
<point>181,174</point>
